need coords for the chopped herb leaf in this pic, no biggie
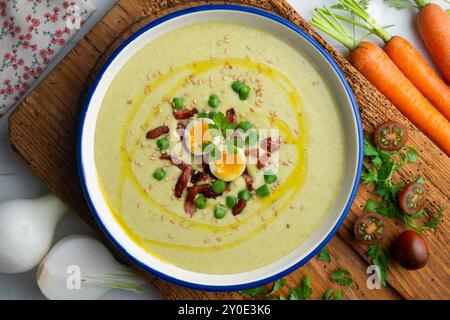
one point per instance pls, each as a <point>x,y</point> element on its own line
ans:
<point>342,277</point>
<point>371,206</point>
<point>254,292</point>
<point>380,258</point>
<point>420,180</point>
<point>328,294</point>
<point>324,255</point>
<point>280,283</point>
<point>303,292</point>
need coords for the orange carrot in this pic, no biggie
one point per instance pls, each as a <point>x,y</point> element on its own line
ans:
<point>434,27</point>
<point>406,57</point>
<point>379,69</point>
<point>416,69</point>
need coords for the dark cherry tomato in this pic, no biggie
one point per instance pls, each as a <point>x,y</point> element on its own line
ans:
<point>411,250</point>
<point>390,136</point>
<point>412,198</point>
<point>369,228</point>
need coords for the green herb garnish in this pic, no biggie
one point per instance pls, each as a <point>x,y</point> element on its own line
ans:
<point>331,294</point>
<point>221,124</point>
<point>342,277</point>
<point>280,283</point>
<point>254,292</point>
<point>324,255</point>
<point>303,292</point>
<point>380,171</point>
<point>380,258</point>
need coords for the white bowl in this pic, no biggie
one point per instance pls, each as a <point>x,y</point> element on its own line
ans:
<point>353,138</point>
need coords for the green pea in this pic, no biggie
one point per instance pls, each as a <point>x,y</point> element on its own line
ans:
<point>213,101</point>
<point>159,174</point>
<point>178,103</point>
<point>236,86</point>
<point>231,201</point>
<point>163,144</point>
<point>219,186</point>
<point>263,191</point>
<point>200,202</point>
<point>220,211</point>
<point>270,178</point>
<point>245,195</point>
<point>245,125</point>
<point>244,92</point>
<point>202,115</point>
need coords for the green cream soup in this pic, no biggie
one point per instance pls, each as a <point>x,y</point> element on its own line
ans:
<point>287,94</point>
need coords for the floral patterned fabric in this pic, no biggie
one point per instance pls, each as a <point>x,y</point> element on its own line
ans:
<point>31,33</point>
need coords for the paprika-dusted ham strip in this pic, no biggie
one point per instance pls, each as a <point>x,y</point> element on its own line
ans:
<point>183,181</point>
<point>248,181</point>
<point>180,129</point>
<point>184,114</point>
<point>157,132</point>
<point>176,162</point>
<point>231,116</point>
<point>199,176</point>
<point>270,145</point>
<point>239,206</point>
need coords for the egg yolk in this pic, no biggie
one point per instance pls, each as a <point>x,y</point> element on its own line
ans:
<point>229,166</point>
<point>199,135</point>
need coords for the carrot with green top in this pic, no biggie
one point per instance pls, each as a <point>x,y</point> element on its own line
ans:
<point>407,59</point>
<point>378,68</point>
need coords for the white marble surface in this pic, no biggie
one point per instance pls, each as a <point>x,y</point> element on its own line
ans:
<point>17,181</point>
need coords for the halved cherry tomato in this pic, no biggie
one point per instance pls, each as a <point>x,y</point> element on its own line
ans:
<point>412,198</point>
<point>369,228</point>
<point>390,136</point>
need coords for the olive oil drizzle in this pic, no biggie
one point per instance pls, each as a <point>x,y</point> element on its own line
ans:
<point>288,189</point>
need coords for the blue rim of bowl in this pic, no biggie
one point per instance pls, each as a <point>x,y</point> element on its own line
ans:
<point>236,287</point>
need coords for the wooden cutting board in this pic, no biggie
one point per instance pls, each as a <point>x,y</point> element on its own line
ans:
<point>42,132</point>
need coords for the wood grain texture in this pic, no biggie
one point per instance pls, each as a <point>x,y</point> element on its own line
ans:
<point>43,129</point>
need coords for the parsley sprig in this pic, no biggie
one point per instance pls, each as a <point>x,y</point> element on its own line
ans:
<point>303,292</point>
<point>331,294</point>
<point>343,277</point>
<point>324,255</point>
<point>379,258</point>
<point>380,170</point>
<point>221,124</point>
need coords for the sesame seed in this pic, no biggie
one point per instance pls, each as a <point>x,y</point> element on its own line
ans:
<point>292,206</point>
<point>288,225</point>
<point>171,236</point>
